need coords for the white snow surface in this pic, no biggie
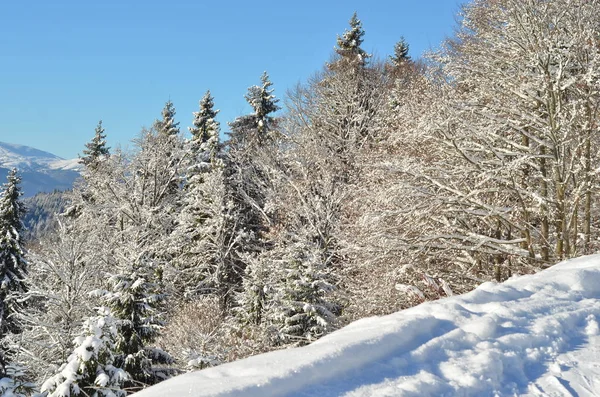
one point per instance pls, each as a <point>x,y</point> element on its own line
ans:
<point>535,335</point>
<point>26,158</point>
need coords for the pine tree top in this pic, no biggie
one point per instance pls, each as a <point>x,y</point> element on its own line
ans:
<point>167,125</point>
<point>400,56</point>
<point>255,127</point>
<point>348,45</point>
<point>204,122</point>
<point>96,148</point>
<point>12,208</point>
<point>261,98</point>
<point>263,102</point>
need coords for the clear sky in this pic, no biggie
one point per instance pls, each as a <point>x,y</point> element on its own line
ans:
<point>65,64</point>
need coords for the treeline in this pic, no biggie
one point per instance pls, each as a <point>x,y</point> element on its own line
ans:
<point>380,185</point>
<point>39,218</point>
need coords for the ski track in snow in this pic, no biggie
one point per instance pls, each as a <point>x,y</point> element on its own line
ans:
<point>536,335</point>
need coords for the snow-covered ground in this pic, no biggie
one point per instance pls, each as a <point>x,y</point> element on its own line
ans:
<point>533,335</point>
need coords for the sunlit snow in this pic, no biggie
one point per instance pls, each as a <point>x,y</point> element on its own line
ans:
<point>533,335</point>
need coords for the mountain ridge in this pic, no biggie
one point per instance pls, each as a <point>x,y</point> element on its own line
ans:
<point>40,171</point>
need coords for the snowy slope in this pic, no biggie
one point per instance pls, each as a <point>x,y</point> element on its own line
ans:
<point>534,335</point>
<point>41,171</point>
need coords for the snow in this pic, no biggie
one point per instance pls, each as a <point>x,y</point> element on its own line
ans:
<point>41,171</point>
<point>535,335</point>
<point>26,158</point>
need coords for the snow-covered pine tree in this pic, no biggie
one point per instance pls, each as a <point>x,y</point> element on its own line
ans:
<point>345,98</point>
<point>301,305</point>
<point>205,218</point>
<point>250,148</point>
<point>13,265</point>
<point>349,44</point>
<point>400,56</point>
<point>264,103</point>
<point>255,128</point>
<point>91,370</point>
<point>249,143</point>
<point>134,300</point>
<point>167,124</point>
<point>205,132</point>
<point>95,149</point>
<point>168,139</point>
<point>14,382</point>
<point>305,312</point>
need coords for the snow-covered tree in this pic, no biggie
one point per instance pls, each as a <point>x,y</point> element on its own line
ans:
<point>249,153</point>
<point>349,44</point>
<point>254,128</point>
<point>486,171</point>
<point>400,56</point>
<point>302,306</point>
<point>134,301</point>
<point>205,132</point>
<point>13,265</point>
<point>96,148</point>
<point>516,125</point>
<point>205,220</point>
<point>167,124</point>
<point>91,369</point>
<point>64,268</point>
<point>14,382</point>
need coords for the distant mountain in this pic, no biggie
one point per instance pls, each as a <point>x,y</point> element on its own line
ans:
<point>41,171</point>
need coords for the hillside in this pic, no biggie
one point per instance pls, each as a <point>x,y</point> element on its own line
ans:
<point>534,335</point>
<point>40,171</point>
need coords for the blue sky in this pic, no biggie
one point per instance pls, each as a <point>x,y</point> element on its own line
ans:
<point>65,64</point>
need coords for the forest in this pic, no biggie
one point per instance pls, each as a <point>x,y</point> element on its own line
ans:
<point>374,186</point>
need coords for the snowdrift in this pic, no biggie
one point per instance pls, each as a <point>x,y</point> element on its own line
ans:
<point>534,335</point>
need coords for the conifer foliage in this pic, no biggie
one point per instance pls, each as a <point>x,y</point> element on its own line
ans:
<point>256,126</point>
<point>349,44</point>
<point>96,148</point>
<point>134,302</point>
<point>90,370</point>
<point>249,155</point>
<point>400,56</point>
<point>203,263</point>
<point>167,124</point>
<point>206,129</point>
<point>13,266</point>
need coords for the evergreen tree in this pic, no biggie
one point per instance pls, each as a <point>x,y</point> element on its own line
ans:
<point>13,266</point>
<point>91,369</point>
<point>249,154</point>
<point>134,301</point>
<point>167,138</point>
<point>205,127</point>
<point>96,148</point>
<point>256,126</point>
<point>203,261</point>
<point>349,44</point>
<point>304,309</point>
<point>167,125</point>
<point>263,102</point>
<point>14,383</point>
<point>400,56</point>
